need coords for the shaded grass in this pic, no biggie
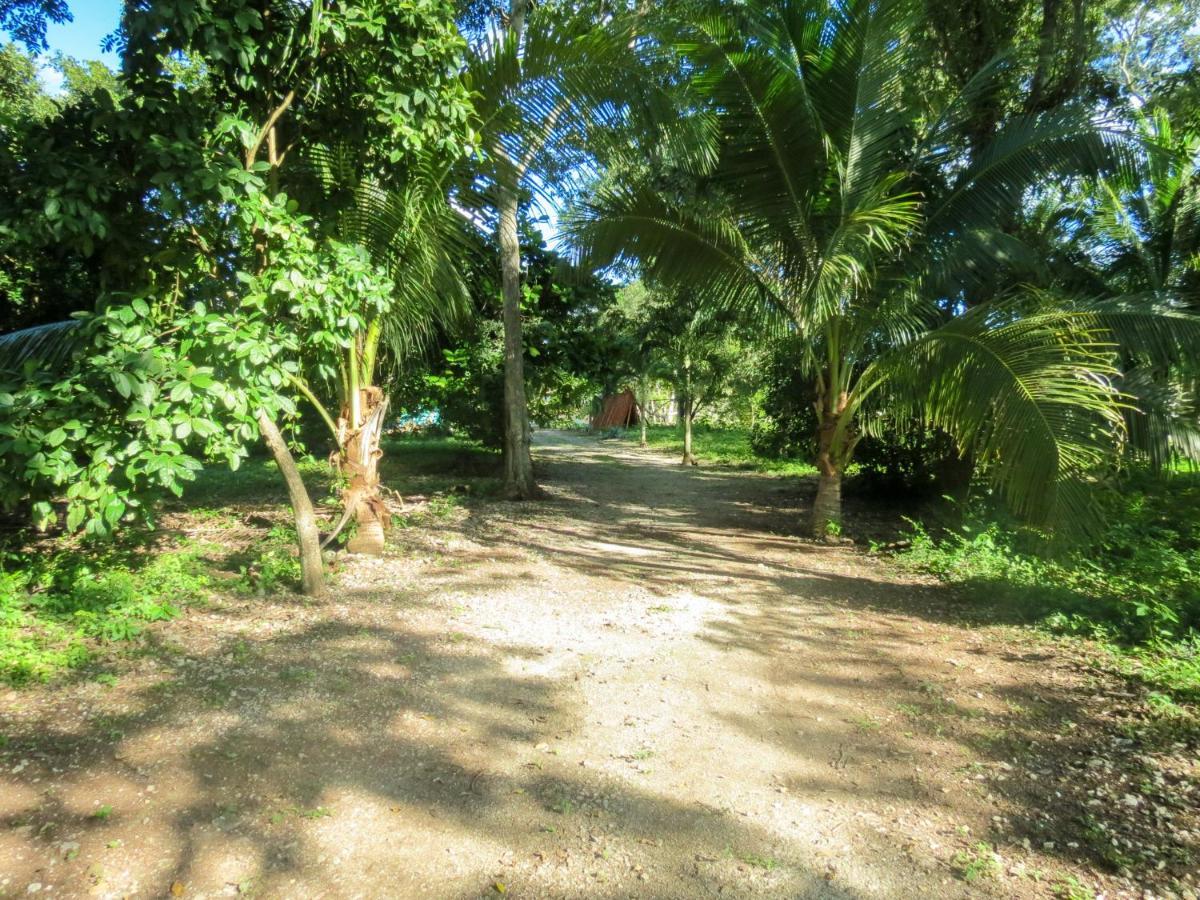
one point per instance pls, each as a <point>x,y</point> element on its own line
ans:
<point>1135,590</point>
<point>57,608</point>
<point>410,464</point>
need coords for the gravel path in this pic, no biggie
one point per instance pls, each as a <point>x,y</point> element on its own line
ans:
<point>642,686</point>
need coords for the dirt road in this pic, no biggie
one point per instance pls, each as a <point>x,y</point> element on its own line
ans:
<point>643,686</point>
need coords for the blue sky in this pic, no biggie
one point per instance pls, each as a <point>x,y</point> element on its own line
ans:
<point>94,20</point>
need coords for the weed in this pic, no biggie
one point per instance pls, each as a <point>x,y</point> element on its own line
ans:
<point>1135,588</point>
<point>103,813</point>
<point>54,607</point>
<point>1071,888</point>
<point>274,567</point>
<point>977,862</point>
<point>766,863</point>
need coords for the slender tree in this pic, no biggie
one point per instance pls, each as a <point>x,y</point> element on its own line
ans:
<point>549,78</point>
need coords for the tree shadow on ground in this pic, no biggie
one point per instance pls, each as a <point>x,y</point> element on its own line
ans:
<point>344,757</point>
<point>1060,761</point>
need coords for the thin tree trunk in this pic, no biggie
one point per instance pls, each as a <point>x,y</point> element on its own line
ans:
<point>358,459</point>
<point>642,419</point>
<point>312,576</point>
<point>518,465</point>
<point>688,458</point>
<point>827,508</point>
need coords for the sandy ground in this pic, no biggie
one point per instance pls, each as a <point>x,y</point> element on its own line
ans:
<point>643,686</point>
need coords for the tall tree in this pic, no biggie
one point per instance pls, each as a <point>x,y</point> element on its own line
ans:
<point>227,272</point>
<point>548,78</point>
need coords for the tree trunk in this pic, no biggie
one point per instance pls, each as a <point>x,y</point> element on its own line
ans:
<point>358,459</point>
<point>642,420</point>
<point>688,458</point>
<point>312,576</point>
<point>518,465</point>
<point>833,451</point>
<point>827,508</point>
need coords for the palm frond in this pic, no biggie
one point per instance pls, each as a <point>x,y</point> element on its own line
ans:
<point>47,346</point>
<point>1031,394</point>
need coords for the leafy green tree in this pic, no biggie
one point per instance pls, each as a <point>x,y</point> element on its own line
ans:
<point>226,268</point>
<point>824,207</point>
<point>669,339</point>
<point>26,20</point>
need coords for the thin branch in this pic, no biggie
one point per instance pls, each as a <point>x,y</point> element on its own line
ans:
<point>253,150</point>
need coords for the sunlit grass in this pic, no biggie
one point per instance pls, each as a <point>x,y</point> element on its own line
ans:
<point>721,447</point>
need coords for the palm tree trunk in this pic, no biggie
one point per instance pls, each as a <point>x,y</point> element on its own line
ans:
<point>686,408</point>
<point>831,461</point>
<point>518,464</point>
<point>358,459</point>
<point>312,576</point>
<point>642,419</point>
<point>827,508</point>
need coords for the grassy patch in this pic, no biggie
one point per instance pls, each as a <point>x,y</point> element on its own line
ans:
<point>977,863</point>
<point>1135,589</point>
<point>720,446</point>
<point>55,607</point>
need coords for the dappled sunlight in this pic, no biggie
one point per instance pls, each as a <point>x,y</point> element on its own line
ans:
<point>597,699</point>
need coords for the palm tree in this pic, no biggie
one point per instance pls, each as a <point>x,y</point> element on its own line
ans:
<point>1133,238</point>
<point>836,208</point>
<point>549,80</point>
<point>409,231</point>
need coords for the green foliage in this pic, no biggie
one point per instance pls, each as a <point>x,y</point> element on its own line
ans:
<point>1136,588</point>
<point>980,861</point>
<point>55,606</point>
<point>908,458</point>
<point>274,565</point>
<point>568,354</point>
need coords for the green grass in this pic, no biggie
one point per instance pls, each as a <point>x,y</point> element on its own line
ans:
<point>59,607</point>
<point>1135,588</point>
<point>56,607</point>
<point>720,446</point>
<point>411,464</point>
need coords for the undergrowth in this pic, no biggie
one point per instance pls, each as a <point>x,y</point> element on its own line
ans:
<point>54,607</point>
<point>719,446</point>
<point>61,602</point>
<point>1135,589</point>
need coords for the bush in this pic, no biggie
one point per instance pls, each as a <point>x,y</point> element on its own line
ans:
<point>912,459</point>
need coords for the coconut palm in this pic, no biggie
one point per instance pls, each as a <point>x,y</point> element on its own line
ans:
<point>552,82</point>
<point>1135,238</point>
<point>408,230</point>
<point>847,216</point>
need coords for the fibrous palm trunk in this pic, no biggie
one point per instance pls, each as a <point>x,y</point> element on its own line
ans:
<point>685,409</point>
<point>358,456</point>
<point>833,450</point>
<point>518,464</point>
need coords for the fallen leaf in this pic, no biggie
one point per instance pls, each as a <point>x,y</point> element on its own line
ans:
<point>177,889</point>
